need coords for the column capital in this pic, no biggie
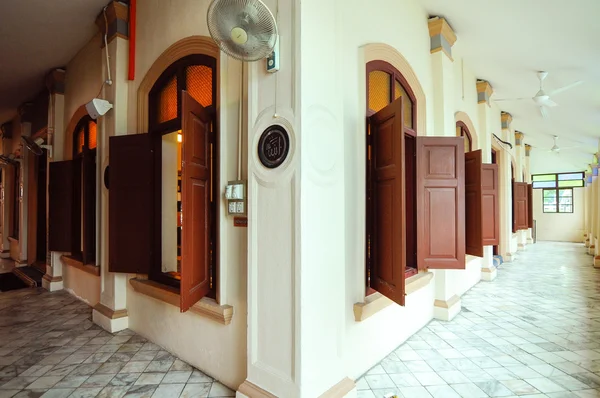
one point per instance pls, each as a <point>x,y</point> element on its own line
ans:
<point>527,149</point>
<point>55,81</point>
<point>441,36</point>
<point>117,19</point>
<point>484,91</point>
<point>506,120</point>
<point>519,138</point>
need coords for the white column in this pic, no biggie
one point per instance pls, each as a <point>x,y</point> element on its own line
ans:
<point>113,297</point>
<point>485,129</point>
<point>529,232</point>
<point>588,208</point>
<point>505,185</point>
<point>23,194</point>
<point>594,210</point>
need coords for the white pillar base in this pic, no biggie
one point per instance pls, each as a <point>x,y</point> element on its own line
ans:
<point>521,246</point>
<point>109,320</point>
<point>530,241</point>
<point>597,262</point>
<point>591,250</point>
<point>509,257</point>
<point>489,274</point>
<point>447,310</point>
<point>52,284</point>
<point>344,389</point>
<point>587,243</point>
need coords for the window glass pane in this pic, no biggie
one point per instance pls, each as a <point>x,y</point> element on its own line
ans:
<point>565,209</point>
<point>80,140</point>
<point>571,176</point>
<point>92,136</point>
<point>549,208</point>
<point>407,104</point>
<point>199,84</point>
<point>379,90</point>
<point>572,183</point>
<point>565,192</point>
<point>544,184</point>
<point>544,177</point>
<point>167,101</point>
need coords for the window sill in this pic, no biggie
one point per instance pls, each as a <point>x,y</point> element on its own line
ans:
<point>90,269</point>
<point>206,307</point>
<point>377,301</point>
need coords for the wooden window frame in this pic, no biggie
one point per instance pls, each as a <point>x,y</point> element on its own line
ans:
<point>557,192</point>
<point>157,130</point>
<point>88,159</point>
<point>464,132</point>
<point>411,133</point>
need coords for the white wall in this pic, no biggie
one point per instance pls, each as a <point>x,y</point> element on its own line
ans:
<point>563,227</point>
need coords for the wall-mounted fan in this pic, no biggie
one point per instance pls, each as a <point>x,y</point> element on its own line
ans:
<point>35,146</point>
<point>243,29</point>
<point>541,98</point>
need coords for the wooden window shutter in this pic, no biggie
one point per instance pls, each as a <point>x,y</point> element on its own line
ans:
<point>490,205</point>
<point>76,209</point>
<point>520,205</point>
<point>388,224</point>
<point>131,204</point>
<point>195,202</point>
<point>514,207</point>
<point>441,202</point>
<point>60,207</point>
<point>530,206</point>
<point>473,204</point>
<point>89,208</point>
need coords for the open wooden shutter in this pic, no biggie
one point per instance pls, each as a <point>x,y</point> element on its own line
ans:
<point>520,205</point>
<point>490,205</point>
<point>89,208</point>
<point>473,204</point>
<point>530,206</point>
<point>388,241</point>
<point>195,202</point>
<point>131,204</point>
<point>60,209</point>
<point>441,202</point>
<point>514,207</point>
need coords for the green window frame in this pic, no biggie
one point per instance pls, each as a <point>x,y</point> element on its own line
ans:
<point>557,200</point>
<point>558,180</point>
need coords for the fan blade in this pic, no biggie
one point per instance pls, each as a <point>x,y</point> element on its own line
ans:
<point>543,111</point>
<point>565,88</point>
<point>549,103</point>
<point>511,99</point>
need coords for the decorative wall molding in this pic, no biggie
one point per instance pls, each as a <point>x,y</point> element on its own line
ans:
<point>441,36</point>
<point>519,138</point>
<point>506,119</point>
<point>463,117</point>
<point>188,46</point>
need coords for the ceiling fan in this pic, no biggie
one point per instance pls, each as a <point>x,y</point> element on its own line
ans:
<point>541,98</point>
<point>556,149</point>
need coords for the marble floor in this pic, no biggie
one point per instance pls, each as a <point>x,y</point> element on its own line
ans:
<point>532,332</point>
<point>49,347</point>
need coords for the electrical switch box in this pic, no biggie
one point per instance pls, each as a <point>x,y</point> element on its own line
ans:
<point>235,193</point>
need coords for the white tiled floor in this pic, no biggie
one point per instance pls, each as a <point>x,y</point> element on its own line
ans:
<point>533,332</point>
<point>50,348</point>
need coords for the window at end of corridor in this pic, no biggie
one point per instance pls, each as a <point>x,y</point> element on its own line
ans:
<point>558,200</point>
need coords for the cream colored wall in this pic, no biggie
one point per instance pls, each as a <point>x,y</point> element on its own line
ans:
<point>216,349</point>
<point>82,285</point>
<point>83,80</point>
<point>565,227</point>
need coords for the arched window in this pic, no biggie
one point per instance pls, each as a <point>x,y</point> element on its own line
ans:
<point>463,131</point>
<point>84,139</point>
<point>178,159</point>
<point>385,85</point>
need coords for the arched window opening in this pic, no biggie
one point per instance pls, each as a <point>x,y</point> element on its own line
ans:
<point>463,131</point>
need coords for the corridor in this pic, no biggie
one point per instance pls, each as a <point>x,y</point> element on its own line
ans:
<point>534,332</point>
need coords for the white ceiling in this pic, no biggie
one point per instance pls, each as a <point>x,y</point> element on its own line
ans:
<point>507,41</point>
<point>35,37</point>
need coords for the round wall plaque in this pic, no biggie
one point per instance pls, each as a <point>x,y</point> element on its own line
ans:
<point>273,146</point>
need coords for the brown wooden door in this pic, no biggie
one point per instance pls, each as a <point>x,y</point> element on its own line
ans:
<point>473,204</point>
<point>60,194</point>
<point>490,205</point>
<point>520,205</point>
<point>131,204</point>
<point>441,202</point>
<point>387,213</point>
<point>530,206</point>
<point>195,202</point>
